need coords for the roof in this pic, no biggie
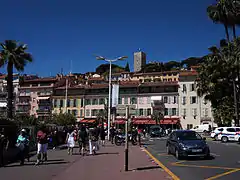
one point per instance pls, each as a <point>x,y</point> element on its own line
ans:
<point>95,79</point>
<point>167,83</point>
<point>156,73</point>
<point>188,73</point>
<point>46,79</point>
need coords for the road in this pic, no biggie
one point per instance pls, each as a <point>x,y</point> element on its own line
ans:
<point>57,163</point>
<point>224,164</point>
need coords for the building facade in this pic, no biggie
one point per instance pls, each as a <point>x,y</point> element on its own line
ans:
<point>86,101</point>
<point>34,97</point>
<point>194,110</point>
<point>3,94</point>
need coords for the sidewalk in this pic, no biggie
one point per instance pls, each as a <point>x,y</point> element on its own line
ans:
<point>108,164</point>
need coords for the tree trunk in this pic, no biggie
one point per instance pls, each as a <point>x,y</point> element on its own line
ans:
<point>226,31</point>
<point>10,90</point>
<point>234,32</point>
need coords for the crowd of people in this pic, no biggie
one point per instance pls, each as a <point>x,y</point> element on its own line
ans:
<point>85,139</point>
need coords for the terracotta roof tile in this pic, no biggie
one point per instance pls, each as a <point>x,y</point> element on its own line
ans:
<point>47,79</point>
<point>156,73</point>
<point>188,73</point>
<point>168,83</point>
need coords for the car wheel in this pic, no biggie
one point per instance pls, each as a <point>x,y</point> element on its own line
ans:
<point>239,140</point>
<point>224,139</point>
<point>215,138</point>
<point>168,150</point>
<point>178,156</point>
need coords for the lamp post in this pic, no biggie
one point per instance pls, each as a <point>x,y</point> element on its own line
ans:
<point>110,61</point>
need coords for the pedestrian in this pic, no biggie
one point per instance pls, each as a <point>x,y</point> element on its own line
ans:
<point>112,134</point>
<point>3,146</point>
<point>82,140</point>
<point>102,135</point>
<point>55,139</point>
<point>97,129</point>
<point>42,145</point>
<point>22,145</point>
<point>93,138</point>
<point>139,136</point>
<point>70,141</point>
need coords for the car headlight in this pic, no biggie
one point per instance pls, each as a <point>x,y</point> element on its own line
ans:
<point>182,146</point>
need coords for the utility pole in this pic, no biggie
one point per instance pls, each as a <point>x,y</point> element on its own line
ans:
<point>236,103</point>
<point>126,138</point>
<point>66,94</point>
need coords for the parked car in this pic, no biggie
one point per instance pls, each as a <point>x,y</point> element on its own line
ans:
<point>215,132</point>
<point>228,134</point>
<point>187,143</point>
<point>202,128</point>
<point>156,131</point>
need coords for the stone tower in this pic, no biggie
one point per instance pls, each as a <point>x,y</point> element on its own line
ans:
<point>139,60</point>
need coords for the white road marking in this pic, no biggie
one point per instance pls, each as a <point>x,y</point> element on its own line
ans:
<point>216,155</point>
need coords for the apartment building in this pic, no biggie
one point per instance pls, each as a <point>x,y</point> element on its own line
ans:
<point>34,97</point>
<point>194,110</point>
<point>3,93</point>
<point>85,101</point>
<point>156,76</point>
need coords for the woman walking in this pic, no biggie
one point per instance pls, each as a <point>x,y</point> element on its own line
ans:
<point>22,144</point>
<point>102,135</point>
<point>70,141</point>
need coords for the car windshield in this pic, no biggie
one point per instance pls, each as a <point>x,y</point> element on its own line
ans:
<point>190,135</point>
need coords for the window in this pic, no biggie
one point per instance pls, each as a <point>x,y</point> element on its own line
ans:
<point>74,112</point>
<point>140,112</point>
<point>192,87</point>
<point>166,112</point>
<point>184,88</point>
<point>148,100</point>
<point>94,102</point>
<point>126,100</point>
<point>69,111</point>
<point>184,113</point>
<point>61,103</point>
<point>174,111</point>
<point>74,103</point>
<point>55,102</point>
<point>119,100</point>
<point>231,130</point>
<point>206,112</point>
<point>194,111</point>
<point>184,100</point>
<point>87,102</point>
<point>133,100</point>
<point>101,101</point>
<point>174,99</point>
<point>149,112</point>
<point>189,126</point>
<point>87,112</point>
<point>193,99</point>
<point>82,103</point>
<point>68,102</point>
<point>165,99</point>
<point>81,113</point>
<point>94,112</point>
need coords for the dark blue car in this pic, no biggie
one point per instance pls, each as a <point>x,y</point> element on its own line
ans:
<point>187,143</point>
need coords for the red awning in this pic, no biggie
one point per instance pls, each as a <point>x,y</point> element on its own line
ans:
<point>151,121</point>
<point>87,121</point>
<point>119,121</point>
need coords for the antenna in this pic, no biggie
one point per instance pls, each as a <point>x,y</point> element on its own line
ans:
<point>71,67</point>
<point>139,49</point>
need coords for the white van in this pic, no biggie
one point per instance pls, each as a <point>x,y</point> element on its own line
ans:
<point>201,128</point>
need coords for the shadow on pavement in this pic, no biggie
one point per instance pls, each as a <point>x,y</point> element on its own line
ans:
<point>106,153</point>
<point>146,168</point>
<point>51,162</point>
<point>199,158</point>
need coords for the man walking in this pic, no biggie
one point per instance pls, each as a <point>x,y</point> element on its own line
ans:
<point>112,134</point>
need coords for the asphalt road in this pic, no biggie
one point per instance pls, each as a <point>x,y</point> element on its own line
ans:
<point>224,164</point>
<point>58,161</point>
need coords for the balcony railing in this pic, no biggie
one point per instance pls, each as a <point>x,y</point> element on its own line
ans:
<point>46,111</point>
<point>22,110</point>
<point>44,94</point>
<point>24,94</point>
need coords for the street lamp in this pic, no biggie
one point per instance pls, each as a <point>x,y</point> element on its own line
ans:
<point>110,61</point>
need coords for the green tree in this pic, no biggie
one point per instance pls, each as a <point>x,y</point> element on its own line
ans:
<point>64,119</point>
<point>127,68</point>
<point>13,55</point>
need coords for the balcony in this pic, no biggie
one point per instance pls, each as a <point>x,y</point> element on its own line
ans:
<point>24,94</point>
<point>22,111</point>
<point>25,103</point>
<point>43,111</point>
<point>44,94</point>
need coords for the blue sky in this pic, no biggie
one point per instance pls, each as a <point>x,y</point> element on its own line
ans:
<point>58,32</point>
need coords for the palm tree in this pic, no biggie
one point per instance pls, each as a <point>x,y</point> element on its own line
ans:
<point>13,55</point>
